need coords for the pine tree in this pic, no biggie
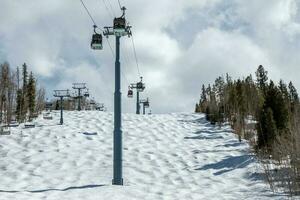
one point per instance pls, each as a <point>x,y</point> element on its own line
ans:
<point>275,101</point>
<point>24,102</point>
<point>31,94</point>
<point>262,78</point>
<point>197,108</point>
<point>18,106</point>
<point>266,129</point>
<point>203,100</point>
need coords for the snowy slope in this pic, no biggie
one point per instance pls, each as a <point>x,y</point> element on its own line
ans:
<point>170,156</point>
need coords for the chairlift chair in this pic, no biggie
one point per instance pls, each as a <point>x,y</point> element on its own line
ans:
<point>92,102</point>
<point>86,94</point>
<point>96,42</point>
<point>119,25</point>
<point>130,93</point>
<point>140,86</point>
<point>146,104</point>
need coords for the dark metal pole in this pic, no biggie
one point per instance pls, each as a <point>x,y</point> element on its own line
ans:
<point>61,111</point>
<point>117,171</point>
<point>144,109</point>
<point>79,97</point>
<point>137,102</point>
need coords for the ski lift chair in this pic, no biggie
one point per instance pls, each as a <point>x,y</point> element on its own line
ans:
<point>140,86</point>
<point>119,25</point>
<point>92,102</point>
<point>86,94</point>
<point>48,106</point>
<point>130,93</point>
<point>96,42</point>
<point>146,104</point>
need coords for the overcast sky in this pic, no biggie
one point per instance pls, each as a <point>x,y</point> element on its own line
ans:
<point>180,45</point>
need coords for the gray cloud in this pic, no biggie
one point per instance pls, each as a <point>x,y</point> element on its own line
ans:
<point>179,45</point>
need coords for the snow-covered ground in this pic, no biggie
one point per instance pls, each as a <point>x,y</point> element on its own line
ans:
<point>169,156</point>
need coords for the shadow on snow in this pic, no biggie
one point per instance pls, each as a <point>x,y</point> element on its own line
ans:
<point>54,189</point>
<point>229,164</point>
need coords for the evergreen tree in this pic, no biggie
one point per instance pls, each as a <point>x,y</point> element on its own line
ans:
<point>18,106</point>
<point>197,108</point>
<point>275,101</point>
<point>262,78</point>
<point>294,99</point>
<point>24,102</point>
<point>266,129</point>
<point>203,100</point>
<point>31,94</point>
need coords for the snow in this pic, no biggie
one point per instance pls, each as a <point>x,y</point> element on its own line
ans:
<point>167,156</point>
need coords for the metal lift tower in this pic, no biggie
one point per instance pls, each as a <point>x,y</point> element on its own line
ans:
<point>140,87</point>
<point>146,104</point>
<point>61,94</point>
<point>79,87</point>
<point>119,29</point>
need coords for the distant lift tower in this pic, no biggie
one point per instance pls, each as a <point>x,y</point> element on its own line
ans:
<point>79,87</point>
<point>140,87</point>
<point>145,103</point>
<point>61,94</point>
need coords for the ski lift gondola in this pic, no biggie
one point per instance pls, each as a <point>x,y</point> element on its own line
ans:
<point>140,86</point>
<point>96,42</point>
<point>130,93</point>
<point>119,25</point>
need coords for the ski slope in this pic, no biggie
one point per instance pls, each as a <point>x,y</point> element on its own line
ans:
<point>169,156</point>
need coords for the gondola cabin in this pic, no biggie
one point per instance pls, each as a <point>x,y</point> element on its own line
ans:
<point>119,25</point>
<point>93,102</point>
<point>96,42</point>
<point>140,86</point>
<point>130,93</point>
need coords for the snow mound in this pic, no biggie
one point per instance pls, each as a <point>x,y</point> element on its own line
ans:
<point>169,156</point>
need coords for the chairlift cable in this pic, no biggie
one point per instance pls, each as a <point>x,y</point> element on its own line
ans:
<point>108,11</point>
<point>113,55</point>
<point>120,5</point>
<point>114,14</point>
<point>88,12</point>
<point>135,56</point>
<point>102,30</point>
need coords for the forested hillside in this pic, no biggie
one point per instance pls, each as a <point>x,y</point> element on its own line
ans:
<point>267,115</point>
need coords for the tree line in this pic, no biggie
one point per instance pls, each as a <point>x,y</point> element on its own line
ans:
<point>266,114</point>
<point>20,100</point>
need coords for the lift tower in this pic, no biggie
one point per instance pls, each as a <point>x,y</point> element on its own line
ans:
<point>79,87</point>
<point>146,104</point>
<point>119,29</point>
<point>140,87</point>
<point>61,94</point>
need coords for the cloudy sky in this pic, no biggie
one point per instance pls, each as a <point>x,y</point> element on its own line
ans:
<point>180,44</point>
